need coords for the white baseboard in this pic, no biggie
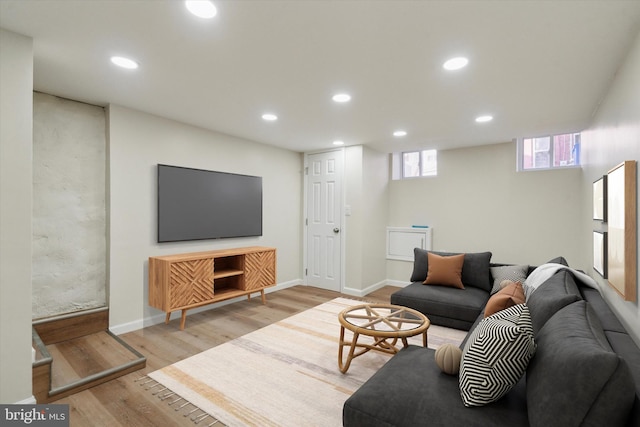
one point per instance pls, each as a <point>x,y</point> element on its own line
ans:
<point>363,292</point>
<point>398,283</point>
<point>28,401</point>
<point>159,318</point>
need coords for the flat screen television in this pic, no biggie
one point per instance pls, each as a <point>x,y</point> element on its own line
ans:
<point>196,204</point>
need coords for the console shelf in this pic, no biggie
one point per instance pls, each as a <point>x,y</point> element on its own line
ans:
<point>185,281</point>
<point>227,273</point>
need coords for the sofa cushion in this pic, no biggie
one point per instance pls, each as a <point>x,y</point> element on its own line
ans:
<point>606,316</point>
<point>496,356</point>
<point>619,340</point>
<point>556,292</point>
<point>623,345</point>
<point>543,272</point>
<point>445,306</point>
<point>514,273</point>
<point>475,269</point>
<point>510,295</point>
<point>445,270</point>
<point>410,390</point>
<point>574,367</point>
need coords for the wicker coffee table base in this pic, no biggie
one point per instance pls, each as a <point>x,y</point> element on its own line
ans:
<point>383,341</point>
<point>379,344</point>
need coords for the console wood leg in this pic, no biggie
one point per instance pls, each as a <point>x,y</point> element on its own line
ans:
<point>264,298</point>
<point>167,318</point>
<point>183,319</point>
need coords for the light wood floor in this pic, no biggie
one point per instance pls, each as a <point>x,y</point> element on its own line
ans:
<point>125,402</point>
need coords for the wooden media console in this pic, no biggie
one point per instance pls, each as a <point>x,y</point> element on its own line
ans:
<point>185,281</point>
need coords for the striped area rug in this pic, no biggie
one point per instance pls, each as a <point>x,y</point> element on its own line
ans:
<point>285,374</point>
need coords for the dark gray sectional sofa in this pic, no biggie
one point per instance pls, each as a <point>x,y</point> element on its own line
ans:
<point>448,306</point>
<point>585,371</point>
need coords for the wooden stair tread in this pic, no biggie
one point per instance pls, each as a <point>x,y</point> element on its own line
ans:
<point>66,363</point>
<point>85,356</point>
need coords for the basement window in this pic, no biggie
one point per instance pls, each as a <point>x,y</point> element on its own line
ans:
<point>415,164</point>
<point>548,152</point>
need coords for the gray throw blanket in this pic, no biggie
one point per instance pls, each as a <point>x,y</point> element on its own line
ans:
<point>545,271</point>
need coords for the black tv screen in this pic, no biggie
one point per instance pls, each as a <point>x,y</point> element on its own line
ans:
<point>196,204</point>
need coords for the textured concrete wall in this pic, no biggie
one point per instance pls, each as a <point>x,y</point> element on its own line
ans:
<point>69,214</point>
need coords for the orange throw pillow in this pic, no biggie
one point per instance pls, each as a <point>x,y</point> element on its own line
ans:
<point>510,295</point>
<point>445,270</point>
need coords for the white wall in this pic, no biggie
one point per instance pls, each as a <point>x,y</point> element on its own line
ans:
<point>16,104</point>
<point>137,143</point>
<point>366,178</point>
<point>478,202</point>
<point>375,197</point>
<point>69,214</point>
<point>354,224</point>
<point>613,137</point>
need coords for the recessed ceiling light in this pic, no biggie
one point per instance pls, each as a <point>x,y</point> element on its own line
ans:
<point>269,117</point>
<point>123,62</point>
<point>455,63</point>
<point>342,97</point>
<point>338,142</point>
<point>201,8</point>
<point>400,133</point>
<point>484,119</point>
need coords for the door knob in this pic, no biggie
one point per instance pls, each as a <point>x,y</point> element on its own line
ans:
<point>336,230</point>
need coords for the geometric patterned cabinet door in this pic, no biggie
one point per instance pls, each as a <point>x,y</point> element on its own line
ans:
<point>260,269</point>
<point>185,281</point>
<point>191,282</point>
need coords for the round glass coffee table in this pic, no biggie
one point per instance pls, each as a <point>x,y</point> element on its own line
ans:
<point>385,323</point>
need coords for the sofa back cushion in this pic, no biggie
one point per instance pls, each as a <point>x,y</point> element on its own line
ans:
<point>575,379</point>
<point>607,317</point>
<point>475,269</point>
<point>556,292</point>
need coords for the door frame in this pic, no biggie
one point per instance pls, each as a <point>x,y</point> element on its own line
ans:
<point>305,216</point>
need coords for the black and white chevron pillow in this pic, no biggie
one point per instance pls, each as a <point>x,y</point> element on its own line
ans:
<point>496,356</point>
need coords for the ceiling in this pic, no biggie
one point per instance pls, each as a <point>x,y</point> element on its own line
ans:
<point>537,67</point>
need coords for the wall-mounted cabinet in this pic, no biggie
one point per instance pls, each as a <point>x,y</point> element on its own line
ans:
<point>185,281</point>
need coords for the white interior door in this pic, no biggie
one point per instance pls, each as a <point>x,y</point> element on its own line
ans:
<point>324,219</point>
